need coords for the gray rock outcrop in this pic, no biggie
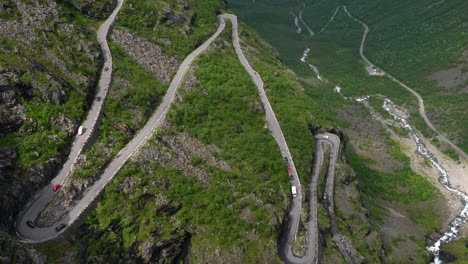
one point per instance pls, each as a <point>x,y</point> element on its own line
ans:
<point>15,252</point>
<point>146,54</point>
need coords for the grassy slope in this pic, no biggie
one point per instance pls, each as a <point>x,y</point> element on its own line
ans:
<point>416,43</point>
<point>293,107</point>
<point>289,104</point>
<point>227,117</point>
<point>335,51</point>
<point>145,93</point>
<point>456,252</point>
<point>256,165</point>
<point>41,112</point>
<point>129,106</point>
<point>409,47</point>
<point>145,19</point>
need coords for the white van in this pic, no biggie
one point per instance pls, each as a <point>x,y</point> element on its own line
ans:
<point>80,130</point>
<point>294,191</point>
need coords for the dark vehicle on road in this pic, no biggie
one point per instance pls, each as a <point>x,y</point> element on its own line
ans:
<point>98,98</point>
<point>30,224</point>
<point>60,227</point>
<point>106,68</point>
<point>330,216</point>
<point>291,177</point>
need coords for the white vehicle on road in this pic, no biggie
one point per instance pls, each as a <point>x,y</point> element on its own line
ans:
<point>294,191</point>
<point>325,136</point>
<point>80,130</point>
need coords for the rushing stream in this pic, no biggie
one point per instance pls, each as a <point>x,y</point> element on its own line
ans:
<point>388,105</point>
<point>296,23</point>
<point>462,217</point>
<point>305,55</point>
<point>317,73</point>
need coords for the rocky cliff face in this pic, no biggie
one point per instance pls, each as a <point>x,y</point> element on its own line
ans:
<point>146,54</point>
<point>15,252</point>
<point>142,53</point>
<point>92,8</point>
<point>19,184</point>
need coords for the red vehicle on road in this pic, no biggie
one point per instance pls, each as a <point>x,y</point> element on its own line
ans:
<point>56,187</point>
<point>289,169</point>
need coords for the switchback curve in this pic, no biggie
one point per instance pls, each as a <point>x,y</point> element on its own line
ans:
<point>43,197</point>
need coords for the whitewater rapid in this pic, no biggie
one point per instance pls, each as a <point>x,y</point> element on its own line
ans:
<point>462,217</point>
<point>305,54</point>
<point>296,23</point>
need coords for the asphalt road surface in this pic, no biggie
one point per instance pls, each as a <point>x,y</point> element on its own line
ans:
<point>312,255</point>
<point>43,197</point>
<point>422,110</point>
<point>289,236</point>
<point>334,142</point>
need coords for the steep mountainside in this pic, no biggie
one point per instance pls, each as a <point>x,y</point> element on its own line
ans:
<point>49,67</point>
<point>212,165</point>
<point>210,185</point>
<point>398,191</point>
<point>422,43</point>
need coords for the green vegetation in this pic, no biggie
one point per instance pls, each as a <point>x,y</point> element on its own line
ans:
<point>39,145</point>
<point>126,110</point>
<point>322,180</point>
<point>455,251</point>
<point>294,108</point>
<point>408,46</point>
<point>185,25</point>
<point>386,185</point>
<point>241,207</point>
<point>92,9</point>
<point>335,52</point>
<point>127,210</point>
<point>402,186</point>
<point>220,110</point>
<point>452,153</point>
<point>228,112</point>
<point>351,224</point>
<point>40,138</point>
<point>8,10</point>
<point>55,253</point>
<point>394,148</point>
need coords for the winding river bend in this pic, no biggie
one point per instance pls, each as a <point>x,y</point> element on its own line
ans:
<point>462,217</point>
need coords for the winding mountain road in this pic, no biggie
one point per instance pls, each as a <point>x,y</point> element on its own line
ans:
<point>334,142</point>
<point>41,199</point>
<point>422,110</point>
<point>312,255</point>
<point>294,217</point>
